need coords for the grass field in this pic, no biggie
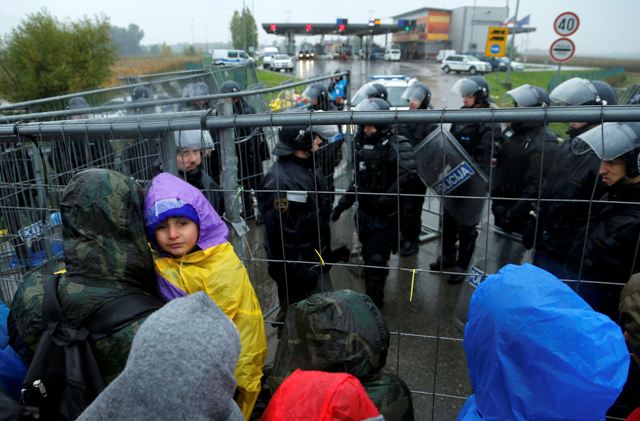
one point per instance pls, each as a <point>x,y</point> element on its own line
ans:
<point>133,66</point>
<point>269,79</point>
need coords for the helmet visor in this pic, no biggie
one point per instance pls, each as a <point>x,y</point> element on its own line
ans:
<point>524,96</point>
<point>369,105</point>
<point>194,139</point>
<point>608,141</point>
<point>465,87</point>
<point>574,91</point>
<point>414,92</point>
<point>312,92</point>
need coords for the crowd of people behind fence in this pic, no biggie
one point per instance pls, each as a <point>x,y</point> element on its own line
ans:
<point>574,202</point>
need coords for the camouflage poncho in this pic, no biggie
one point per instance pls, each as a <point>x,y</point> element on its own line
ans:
<point>106,256</point>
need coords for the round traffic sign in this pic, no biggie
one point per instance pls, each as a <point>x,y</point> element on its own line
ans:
<point>495,49</point>
<point>566,24</point>
<point>562,50</point>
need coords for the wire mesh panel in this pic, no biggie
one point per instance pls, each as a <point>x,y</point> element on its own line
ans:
<point>298,245</point>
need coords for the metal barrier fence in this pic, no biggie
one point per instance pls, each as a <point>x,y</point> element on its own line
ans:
<point>162,86</point>
<point>423,312</point>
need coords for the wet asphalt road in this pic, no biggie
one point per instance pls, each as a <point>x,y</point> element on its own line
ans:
<point>426,347</point>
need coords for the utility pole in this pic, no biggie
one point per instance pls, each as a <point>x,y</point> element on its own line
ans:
<point>507,80</point>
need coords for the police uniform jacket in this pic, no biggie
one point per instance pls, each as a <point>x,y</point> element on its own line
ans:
<point>385,164</point>
<point>296,215</point>
<point>519,161</point>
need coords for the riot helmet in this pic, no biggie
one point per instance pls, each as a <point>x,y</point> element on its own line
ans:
<point>230,86</point>
<point>141,93</point>
<point>475,86</point>
<point>317,96</point>
<point>418,92</point>
<point>193,90</point>
<point>373,104</point>
<point>372,90</point>
<point>78,102</point>
<point>611,141</point>
<point>575,91</point>
<point>292,138</point>
<point>528,96</point>
<point>193,139</point>
<point>607,95</point>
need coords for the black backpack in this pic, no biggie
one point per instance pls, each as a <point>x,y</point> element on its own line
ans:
<point>64,377</point>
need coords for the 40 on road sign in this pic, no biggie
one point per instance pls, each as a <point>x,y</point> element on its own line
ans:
<point>566,24</point>
<point>562,50</point>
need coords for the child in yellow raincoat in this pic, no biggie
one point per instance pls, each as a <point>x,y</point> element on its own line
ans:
<point>191,239</point>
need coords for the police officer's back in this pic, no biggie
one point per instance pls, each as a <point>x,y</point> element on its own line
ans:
<point>523,161</point>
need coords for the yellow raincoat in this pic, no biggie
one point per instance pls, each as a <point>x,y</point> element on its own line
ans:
<point>216,270</point>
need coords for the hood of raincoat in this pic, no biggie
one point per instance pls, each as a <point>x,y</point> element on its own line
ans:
<point>189,341</point>
<point>165,186</point>
<point>316,395</point>
<point>536,350</point>
<point>103,229</point>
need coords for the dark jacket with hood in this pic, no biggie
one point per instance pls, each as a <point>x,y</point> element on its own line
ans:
<point>519,162</point>
<point>536,351</point>
<point>106,257</point>
<point>208,186</point>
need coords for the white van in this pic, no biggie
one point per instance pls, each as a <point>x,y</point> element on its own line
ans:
<point>392,55</point>
<point>230,57</point>
<point>268,54</point>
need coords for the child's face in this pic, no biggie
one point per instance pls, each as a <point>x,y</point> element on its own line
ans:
<point>177,236</point>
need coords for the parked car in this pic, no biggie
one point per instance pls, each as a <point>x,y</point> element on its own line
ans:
<point>282,62</point>
<point>268,54</point>
<point>220,57</point>
<point>442,54</point>
<point>305,55</point>
<point>392,55</point>
<point>464,63</point>
<point>515,65</point>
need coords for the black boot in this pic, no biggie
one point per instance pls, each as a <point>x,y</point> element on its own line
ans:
<point>375,290</point>
<point>409,248</point>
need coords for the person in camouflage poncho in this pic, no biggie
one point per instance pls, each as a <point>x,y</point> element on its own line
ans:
<point>106,257</point>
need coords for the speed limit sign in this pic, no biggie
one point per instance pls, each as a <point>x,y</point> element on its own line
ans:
<point>566,24</point>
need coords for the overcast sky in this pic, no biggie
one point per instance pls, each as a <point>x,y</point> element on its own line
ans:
<point>607,26</point>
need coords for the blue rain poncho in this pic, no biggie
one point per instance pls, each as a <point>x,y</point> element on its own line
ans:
<point>537,351</point>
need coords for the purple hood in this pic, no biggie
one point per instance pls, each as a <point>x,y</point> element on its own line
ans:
<point>213,230</point>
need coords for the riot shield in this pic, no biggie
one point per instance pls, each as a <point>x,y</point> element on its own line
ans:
<point>446,167</point>
<point>494,249</point>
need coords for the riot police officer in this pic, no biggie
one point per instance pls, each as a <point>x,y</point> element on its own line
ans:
<point>251,149</point>
<point>384,166</point>
<point>612,240</point>
<point>296,216</point>
<point>523,161</point>
<point>194,90</point>
<point>477,140</point>
<point>372,89</point>
<point>562,223</point>
<point>418,97</point>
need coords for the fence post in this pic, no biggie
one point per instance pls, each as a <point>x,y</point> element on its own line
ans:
<point>229,180</point>
<point>169,152</point>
